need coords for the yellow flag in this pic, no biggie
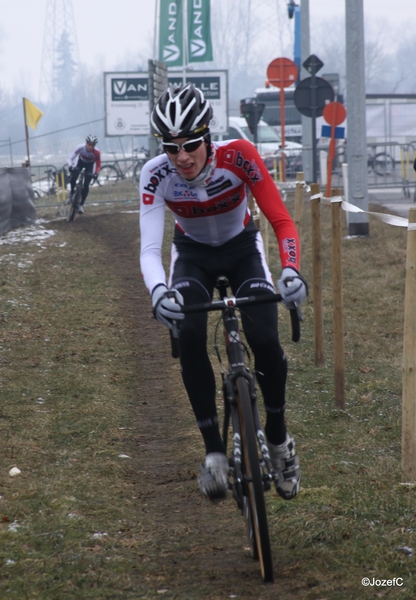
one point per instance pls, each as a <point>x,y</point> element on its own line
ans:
<point>32,114</point>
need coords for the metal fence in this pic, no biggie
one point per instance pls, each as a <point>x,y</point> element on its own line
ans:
<point>115,183</point>
<point>389,165</point>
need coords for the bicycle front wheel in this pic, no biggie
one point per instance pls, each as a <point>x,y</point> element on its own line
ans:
<point>255,506</point>
<point>75,202</point>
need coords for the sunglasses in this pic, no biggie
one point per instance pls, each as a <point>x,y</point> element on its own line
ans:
<point>189,146</point>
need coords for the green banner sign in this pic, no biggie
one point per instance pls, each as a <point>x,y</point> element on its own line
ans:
<point>171,33</point>
<point>199,31</point>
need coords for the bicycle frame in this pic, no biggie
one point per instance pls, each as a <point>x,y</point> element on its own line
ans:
<point>75,200</point>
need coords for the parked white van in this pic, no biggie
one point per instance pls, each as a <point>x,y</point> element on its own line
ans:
<point>268,140</point>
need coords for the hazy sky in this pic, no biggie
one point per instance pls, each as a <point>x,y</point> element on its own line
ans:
<point>109,30</point>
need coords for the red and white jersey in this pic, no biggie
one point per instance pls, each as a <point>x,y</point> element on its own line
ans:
<point>87,156</point>
<point>211,214</point>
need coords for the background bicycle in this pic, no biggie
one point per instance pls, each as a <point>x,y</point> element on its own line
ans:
<point>74,200</point>
<point>379,163</point>
<point>49,181</point>
<point>112,172</point>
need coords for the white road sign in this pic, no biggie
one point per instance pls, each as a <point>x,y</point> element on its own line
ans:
<point>126,100</point>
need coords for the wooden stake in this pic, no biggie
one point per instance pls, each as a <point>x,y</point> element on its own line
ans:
<point>409,360</point>
<point>318,310</point>
<point>339,367</point>
<point>298,212</point>
<point>261,223</point>
<point>264,230</point>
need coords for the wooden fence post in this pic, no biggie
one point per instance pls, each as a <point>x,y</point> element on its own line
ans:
<point>338,317</point>
<point>318,311</point>
<point>261,223</point>
<point>409,359</point>
<point>264,230</point>
<point>298,211</point>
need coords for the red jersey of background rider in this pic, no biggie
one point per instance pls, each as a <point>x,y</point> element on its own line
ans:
<point>87,156</point>
<point>219,211</point>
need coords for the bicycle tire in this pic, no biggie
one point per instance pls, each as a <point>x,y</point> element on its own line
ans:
<point>108,175</point>
<point>383,164</point>
<point>136,175</point>
<point>73,207</point>
<point>255,509</point>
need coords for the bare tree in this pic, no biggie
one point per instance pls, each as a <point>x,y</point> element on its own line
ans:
<point>404,62</point>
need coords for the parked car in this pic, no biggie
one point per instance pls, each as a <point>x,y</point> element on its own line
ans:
<point>269,143</point>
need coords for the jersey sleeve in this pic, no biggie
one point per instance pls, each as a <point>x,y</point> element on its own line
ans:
<point>97,155</point>
<point>75,154</point>
<point>152,223</point>
<point>271,204</point>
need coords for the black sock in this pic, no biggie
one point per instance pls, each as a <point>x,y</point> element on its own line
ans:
<point>275,429</point>
<point>212,439</point>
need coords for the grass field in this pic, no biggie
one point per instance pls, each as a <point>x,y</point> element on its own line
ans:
<point>83,369</point>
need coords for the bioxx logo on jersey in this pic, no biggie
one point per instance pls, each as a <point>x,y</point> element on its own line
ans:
<point>250,167</point>
<point>157,176</point>
<point>204,209</point>
<point>289,247</point>
<point>129,88</point>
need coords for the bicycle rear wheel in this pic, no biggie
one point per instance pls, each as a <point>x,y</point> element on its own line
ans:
<point>108,175</point>
<point>383,164</point>
<point>75,202</point>
<point>254,504</point>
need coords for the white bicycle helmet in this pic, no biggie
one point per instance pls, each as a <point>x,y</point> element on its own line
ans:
<point>91,139</point>
<point>181,112</point>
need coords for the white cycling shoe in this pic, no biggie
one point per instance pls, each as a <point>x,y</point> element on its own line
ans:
<point>213,478</point>
<point>286,469</point>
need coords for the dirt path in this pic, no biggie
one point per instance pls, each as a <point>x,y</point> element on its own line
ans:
<point>189,548</point>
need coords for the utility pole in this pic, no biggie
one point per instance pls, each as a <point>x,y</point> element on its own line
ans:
<point>358,224</point>
<point>307,161</point>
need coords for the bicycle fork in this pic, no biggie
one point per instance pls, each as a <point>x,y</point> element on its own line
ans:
<point>238,369</point>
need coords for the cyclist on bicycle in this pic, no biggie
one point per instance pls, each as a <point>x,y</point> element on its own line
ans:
<point>206,186</point>
<point>85,156</point>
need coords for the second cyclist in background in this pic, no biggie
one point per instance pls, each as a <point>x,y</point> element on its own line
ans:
<point>84,156</point>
